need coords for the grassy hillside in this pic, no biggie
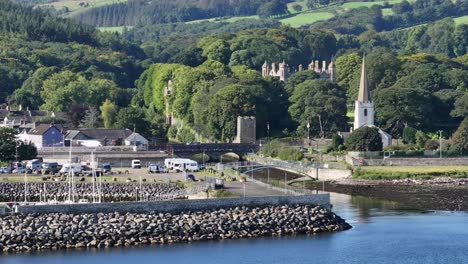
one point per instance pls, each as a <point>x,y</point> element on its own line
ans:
<point>309,16</point>
<point>75,6</point>
<point>306,18</point>
<point>461,20</point>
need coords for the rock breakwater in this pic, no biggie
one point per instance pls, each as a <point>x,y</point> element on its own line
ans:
<point>37,232</point>
<point>112,192</point>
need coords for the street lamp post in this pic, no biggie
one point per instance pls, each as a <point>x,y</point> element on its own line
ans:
<point>440,143</point>
<point>308,131</point>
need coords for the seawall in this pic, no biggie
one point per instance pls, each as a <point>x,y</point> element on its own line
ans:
<point>176,206</point>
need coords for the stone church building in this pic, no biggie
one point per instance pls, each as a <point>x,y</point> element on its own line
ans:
<point>364,109</point>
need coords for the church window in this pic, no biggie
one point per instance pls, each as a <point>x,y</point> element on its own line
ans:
<point>365,112</point>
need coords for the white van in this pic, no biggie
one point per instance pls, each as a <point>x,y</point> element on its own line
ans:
<point>70,167</point>
<point>136,164</point>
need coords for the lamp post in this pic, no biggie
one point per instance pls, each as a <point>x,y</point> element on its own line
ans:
<point>308,131</point>
<point>440,143</point>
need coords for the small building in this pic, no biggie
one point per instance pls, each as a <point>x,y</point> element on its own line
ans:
<point>135,139</point>
<point>43,136</point>
<point>105,137</point>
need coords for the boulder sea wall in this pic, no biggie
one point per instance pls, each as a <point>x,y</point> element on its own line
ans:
<point>53,231</point>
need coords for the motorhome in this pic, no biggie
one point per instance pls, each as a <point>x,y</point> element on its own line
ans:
<point>179,165</point>
<point>70,167</point>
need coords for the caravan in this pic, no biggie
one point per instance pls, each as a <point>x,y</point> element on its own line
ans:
<point>179,165</point>
<point>70,168</point>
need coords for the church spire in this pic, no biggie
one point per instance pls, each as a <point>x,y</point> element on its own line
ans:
<point>363,90</point>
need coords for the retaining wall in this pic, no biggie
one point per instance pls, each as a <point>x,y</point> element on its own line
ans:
<point>414,162</point>
<point>177,205</point>
<point>329,174</point>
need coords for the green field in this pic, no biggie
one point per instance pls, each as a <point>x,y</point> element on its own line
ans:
<point>461,20</point>
<point>75,6</point>
<point>306,18</point>
<point>387,12</point>
<point>403,172</point>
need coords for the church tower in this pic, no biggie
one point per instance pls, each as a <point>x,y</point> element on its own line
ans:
<point>363,107</point>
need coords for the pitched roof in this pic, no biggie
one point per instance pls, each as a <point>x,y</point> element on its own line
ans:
<point>100,134</point>
<point>363,89</point>
<point>41,129</point>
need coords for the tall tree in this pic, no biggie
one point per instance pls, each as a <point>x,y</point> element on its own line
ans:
<point>320,103</point>
<point>109,113</point>
<point>7,144</point>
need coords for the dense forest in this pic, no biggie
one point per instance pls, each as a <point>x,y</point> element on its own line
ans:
<point>53,63</point>
<point>136,12</point>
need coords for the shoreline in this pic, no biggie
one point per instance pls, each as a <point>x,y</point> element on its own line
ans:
<point>43,232</point>
<point>445,194</point>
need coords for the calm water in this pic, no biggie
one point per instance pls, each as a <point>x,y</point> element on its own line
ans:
<point>382,233</point>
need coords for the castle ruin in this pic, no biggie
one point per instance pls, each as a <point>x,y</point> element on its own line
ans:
<point>325,71</point>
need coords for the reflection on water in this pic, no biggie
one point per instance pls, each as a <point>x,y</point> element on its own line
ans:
<point>383,232</point>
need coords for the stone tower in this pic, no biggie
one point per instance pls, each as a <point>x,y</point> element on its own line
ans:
<point>265,70</point>
<point>246,129</point>
<point>332,70</point>
<point>363,107</point>
<point>282,71</point>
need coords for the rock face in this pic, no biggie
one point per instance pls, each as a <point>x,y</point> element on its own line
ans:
<point>113,192</point>
<point>60,231</point>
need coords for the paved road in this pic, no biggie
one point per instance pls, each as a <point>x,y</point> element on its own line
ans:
<point>251,189</point>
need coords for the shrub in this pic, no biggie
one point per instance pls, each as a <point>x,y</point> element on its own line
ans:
<point>409,135</point>
<point>172,132</point>
<point>431,145</point>
<point>421,139</point>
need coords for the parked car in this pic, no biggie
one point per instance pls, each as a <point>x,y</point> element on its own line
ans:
<point>87,171</point>
<point>19,170</point>
<point>50,168</point>
<point>5,170</point>
<point>106,168</point>
<point>136,164</point>
<point>70,167</point>
<point>191,177</point>
<point>156,168</point>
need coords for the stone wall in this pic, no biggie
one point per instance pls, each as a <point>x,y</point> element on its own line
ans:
<point>176,205</point>
<point>415,161</point>
<point>330,174</point>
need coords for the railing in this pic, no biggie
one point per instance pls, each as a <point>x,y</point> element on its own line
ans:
<point>286,189</point>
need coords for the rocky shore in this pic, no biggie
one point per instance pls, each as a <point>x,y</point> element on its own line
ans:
<point>434,194</point>
<point>60,231</point>
<point>112,192</point>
